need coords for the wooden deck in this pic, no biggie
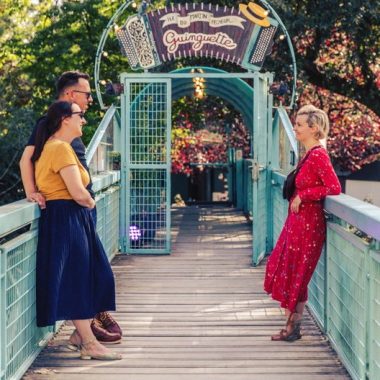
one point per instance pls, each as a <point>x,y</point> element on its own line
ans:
<point>198,314</point>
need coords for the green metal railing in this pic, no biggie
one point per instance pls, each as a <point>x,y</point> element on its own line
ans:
<point>20,339</point>
<point>344,294</point>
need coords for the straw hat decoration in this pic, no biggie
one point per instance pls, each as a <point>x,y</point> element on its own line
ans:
<point>254,13</point>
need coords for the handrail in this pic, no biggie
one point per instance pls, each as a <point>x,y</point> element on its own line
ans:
<point>18,214</point>
<point>98,135</point>
<point>288,129</point>
<point>362,215</point>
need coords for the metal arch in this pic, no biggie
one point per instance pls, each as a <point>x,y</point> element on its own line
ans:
<point>122,8</point>
<point>227,93</point>
<point>99,51</point>
<point>289,40</point>
<point>184,86</point>
<point>230,92</point>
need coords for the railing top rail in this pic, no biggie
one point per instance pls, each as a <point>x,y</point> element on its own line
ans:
<point>97,137</point>
<point>17,214</point>
<point>362,215</point>
<point>283,116</point>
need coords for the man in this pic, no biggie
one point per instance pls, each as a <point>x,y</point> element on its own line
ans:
<point>74,87</point>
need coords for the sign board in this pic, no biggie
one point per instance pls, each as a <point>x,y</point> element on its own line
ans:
<point>241,35</point>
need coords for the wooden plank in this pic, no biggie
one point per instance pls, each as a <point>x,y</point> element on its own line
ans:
<point>198,314</point>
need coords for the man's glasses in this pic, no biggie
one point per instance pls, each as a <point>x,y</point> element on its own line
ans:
<point>88,94</point>
<point>80,113</point>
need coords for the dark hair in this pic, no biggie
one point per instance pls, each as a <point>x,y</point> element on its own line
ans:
<point>49,125</point>
<point>68,79</point>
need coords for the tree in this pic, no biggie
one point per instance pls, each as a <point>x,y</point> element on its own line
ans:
<point>18,23</point>
<point>202,132</point>
<point>41,40</point>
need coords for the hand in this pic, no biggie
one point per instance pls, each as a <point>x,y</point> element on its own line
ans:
<point>38,198</point>
<point>92,204</point>
<point>295,205</point>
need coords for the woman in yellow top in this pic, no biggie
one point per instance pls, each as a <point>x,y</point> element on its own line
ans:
<point>74,279</point>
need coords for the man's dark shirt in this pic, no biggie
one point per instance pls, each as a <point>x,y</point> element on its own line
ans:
<point>77,145</point>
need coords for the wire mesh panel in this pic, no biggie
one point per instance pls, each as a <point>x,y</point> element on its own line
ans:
<point>374,335</point>
<point>103,152</point>
<point>107,205</point>
<point>280,207</point>
<point>317,289</point>
<point>348,291</point>
<point>147,162</point>
<point>21,333</point>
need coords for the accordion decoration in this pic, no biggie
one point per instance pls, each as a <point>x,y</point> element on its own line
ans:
<point>243,36</point>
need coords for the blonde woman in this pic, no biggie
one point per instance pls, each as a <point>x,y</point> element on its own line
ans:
<point>296,254</point>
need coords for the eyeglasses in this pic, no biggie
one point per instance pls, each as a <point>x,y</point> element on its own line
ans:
<point>80,113</point>
<point>88,94</point>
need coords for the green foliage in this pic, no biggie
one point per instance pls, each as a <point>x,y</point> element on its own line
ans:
<point>39,42</point>
<point>202,132</point>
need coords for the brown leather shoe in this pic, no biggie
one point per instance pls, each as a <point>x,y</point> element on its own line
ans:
<point>102,335</point>
<point>108,323</point>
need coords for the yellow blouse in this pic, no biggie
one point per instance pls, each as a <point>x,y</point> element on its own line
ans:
<point>56,155</point>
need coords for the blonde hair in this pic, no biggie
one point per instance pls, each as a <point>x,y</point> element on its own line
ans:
<point>316,117</point>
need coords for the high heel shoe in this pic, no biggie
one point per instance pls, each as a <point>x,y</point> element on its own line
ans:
<point>71,345</point>
<point>292,331</point>
<point>84,355</point>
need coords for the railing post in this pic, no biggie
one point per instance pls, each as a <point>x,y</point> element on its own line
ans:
<point>3,330</point>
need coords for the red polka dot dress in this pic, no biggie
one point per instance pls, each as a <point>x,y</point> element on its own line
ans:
<point>296,254</point>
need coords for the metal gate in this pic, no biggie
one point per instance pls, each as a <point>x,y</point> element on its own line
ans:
<point>262,144</point>
<point>145,199</point>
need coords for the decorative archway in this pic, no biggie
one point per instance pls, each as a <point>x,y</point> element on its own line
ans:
<point>241,35</point>
<point>270,13</point>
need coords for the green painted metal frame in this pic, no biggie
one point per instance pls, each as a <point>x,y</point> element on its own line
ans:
<point>262,137</point>
<point>259,111</point>
<point>260,114</point>
<point>128,166</point>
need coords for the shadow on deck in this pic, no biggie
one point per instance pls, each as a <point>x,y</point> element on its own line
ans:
<point>198,314</point>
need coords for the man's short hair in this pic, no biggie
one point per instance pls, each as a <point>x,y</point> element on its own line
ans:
<point>69,79</point>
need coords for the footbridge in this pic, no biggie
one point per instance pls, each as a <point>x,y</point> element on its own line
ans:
<point>189,278</point>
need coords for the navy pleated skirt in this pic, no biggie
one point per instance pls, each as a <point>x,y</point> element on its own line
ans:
<point>74,278</point>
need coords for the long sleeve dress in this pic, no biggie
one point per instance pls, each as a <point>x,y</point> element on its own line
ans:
<point>296,254</point>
